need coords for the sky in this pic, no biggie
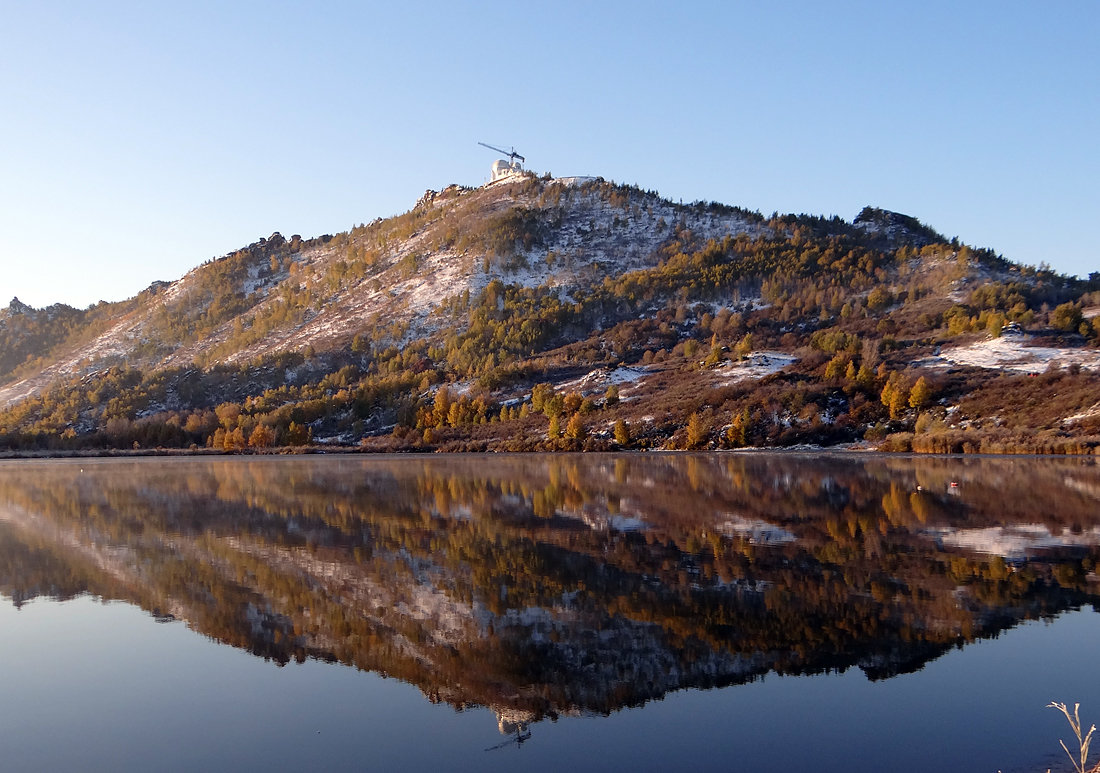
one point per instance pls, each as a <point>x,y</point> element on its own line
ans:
<point>138,139</point>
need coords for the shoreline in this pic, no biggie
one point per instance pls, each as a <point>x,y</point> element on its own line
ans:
<point>838,450</point>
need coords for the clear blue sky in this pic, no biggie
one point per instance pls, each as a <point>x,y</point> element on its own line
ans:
<point>139,139</point>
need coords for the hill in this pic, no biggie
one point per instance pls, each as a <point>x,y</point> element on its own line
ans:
<point>565,314</point>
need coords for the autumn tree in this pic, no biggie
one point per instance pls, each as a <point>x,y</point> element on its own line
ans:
<point>575,430</point>
<point>611,396</point>
<point>879,298</point>
<point>234,441</point>
<point>738,432</point>
<point>441,408</point>
<point>622,433</point>
<point>921,393</point>
<point>554,406</point>
<point>298,435</point>
<point>894,394</point>
<point>539,394</point>
<point>744,347</point>
<point>572,403</point>
<point>228,413</point>
<point>837,366</point>
<point>850,372</point>
<point>697,430</point>
<point>262,437</point>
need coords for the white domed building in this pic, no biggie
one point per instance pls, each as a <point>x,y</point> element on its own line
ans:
<point>502,169</point>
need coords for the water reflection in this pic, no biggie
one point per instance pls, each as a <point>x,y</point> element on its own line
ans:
<point>541,586</point>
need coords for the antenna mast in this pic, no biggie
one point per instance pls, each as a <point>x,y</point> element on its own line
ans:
<point>502,168</point>
<point>512,154</point>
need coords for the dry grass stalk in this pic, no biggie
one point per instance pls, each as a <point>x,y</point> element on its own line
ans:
<point>1083,741</point>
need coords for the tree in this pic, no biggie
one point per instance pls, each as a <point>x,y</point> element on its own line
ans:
<point>738,432</point>
<point>622,433</point>
<point>744,347</point>
<point>1066,317</point>
<point>850,373</point>
<point>456,415</point>
<point>442,406</point>
<point>554,406</point>
<point>262,437</point>
<point>837,366</point>
<point>575,430</point>
<point>697,430</point>
<point>572,403</point>
<point>878,299</point>
<point>297,435</point>
<point>995,324</point>
<point>894,394</point>
<point>921,393</point>
<point>611,396</point>
<point>198,423</point>
<point>228,413</point>
<point>234,441</point>
<point>539,394</point>
<point>865,377</point>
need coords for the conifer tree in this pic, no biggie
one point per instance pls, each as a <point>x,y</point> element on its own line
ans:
<point>696,431</point>
<point>921,393</point>
<point>575,430</point>
<point>622,433</point>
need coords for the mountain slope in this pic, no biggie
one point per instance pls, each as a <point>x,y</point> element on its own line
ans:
<point>482,293</point>
<point>278,295</point>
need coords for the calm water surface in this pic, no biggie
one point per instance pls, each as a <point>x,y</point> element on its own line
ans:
<point>725,612</point>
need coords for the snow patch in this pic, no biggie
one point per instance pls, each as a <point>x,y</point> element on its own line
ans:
<point>756,365</point>
<point>1012,352</point>
<point>1091,413</point>
<point>570,182</point>
<point>597,381</point>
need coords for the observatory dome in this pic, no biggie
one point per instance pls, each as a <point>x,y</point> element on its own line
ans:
<point>502,168</point>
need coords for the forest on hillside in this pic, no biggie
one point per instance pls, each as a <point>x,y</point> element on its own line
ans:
<point>860,310</point>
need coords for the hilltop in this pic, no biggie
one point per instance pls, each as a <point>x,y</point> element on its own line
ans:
<point>539,313</point>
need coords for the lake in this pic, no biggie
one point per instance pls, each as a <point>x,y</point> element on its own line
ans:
<point>645,612</point>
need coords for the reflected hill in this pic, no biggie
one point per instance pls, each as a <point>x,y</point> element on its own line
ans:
<point>547,585</point>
